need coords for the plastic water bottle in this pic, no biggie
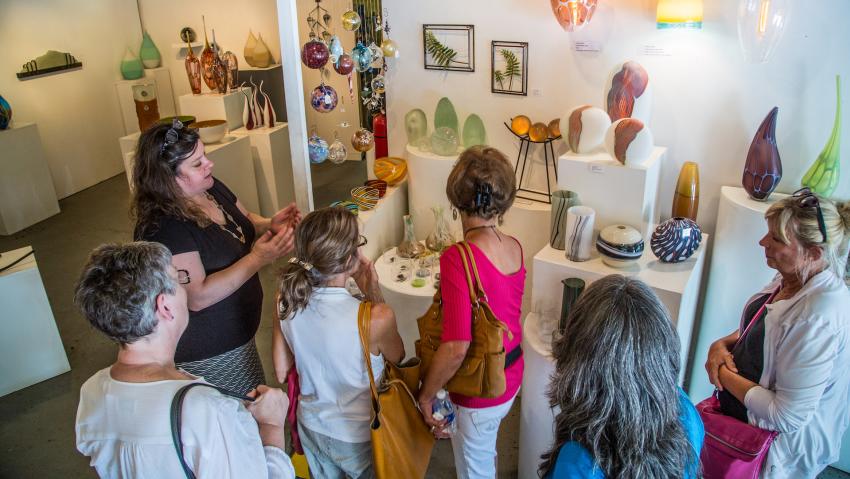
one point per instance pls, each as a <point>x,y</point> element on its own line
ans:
<point>444,409</point>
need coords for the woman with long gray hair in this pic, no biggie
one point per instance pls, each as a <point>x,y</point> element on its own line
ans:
<point>621,413</point>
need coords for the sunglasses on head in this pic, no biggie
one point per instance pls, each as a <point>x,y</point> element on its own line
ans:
<point>806,199</point>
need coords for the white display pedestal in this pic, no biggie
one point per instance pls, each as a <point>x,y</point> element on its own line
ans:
<point>738,271</point>
<point>619,194</point>
<point>30,347</point>
<point>215,106</point>
<point>272,166</point>
<point>160,77</point>
<point>233,165</point>
<point>383,226</point>
<point>427,174</point>
<point>408,302</point>
<point>528,222</point>
<point>537,419</point>
<point>27,195</point>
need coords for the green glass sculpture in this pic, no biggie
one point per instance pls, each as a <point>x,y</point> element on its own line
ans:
<point>416,127</point>
<point>131,66</point>
<point>822,177</point>
<point>445,115</point>
<point>444,141</point>
<point>149,53</point>
<point>473,131</point>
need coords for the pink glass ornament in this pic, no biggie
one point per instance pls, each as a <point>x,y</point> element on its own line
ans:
<point>315,54</point>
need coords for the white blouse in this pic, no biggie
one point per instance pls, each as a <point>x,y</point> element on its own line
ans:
<point>804,387</point>
<point>125,428</point>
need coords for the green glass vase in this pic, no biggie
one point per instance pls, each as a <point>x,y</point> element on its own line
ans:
<point>149,53</point>
<point>822,177</point>
<point>131,66</point>
<point>473,131</point>
<point>445,115</point>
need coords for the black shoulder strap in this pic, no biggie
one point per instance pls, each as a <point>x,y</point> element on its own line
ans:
<point>176,418</point>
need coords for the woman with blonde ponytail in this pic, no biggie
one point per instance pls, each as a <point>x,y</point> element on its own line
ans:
<point>785,368</point>
<point>318,330</point>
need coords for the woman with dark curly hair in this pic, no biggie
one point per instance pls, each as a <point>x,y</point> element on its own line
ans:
<point>621,413</point>
<point>177,202</point>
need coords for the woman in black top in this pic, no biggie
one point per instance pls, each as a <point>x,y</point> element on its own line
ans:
<point>220,244</point>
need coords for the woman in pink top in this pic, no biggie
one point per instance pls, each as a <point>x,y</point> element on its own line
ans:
<point>482,187</point>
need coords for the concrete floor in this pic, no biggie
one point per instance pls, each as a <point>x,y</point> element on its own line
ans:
<point>37,423</point>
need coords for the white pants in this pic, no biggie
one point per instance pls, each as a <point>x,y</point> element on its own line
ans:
<point>474,443</point>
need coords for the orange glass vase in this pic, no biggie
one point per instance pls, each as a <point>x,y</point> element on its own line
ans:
<point>686,197</point>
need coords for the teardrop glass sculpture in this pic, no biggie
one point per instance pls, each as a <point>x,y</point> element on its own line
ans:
<point>248,51</point>
<point>763,168</point>
<point>149,53</point>
<point>822,177</point>
<point>686,197</point>
<point>445,115</point>
<point>131,66</point>
<point>473,131</point>
<point>262,54</point>
<point>208,61</point>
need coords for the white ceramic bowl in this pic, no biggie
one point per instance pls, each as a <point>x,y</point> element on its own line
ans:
<point>210,131</point>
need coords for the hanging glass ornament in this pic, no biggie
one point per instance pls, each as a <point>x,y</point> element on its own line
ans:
<point>378,85</point>
<point>377,56</point>
<point>390,48</point>
<point>362,140</point>
<point>335,49</point>
<point>350,20</point>
<point>344,64</point>
<point>337,153</point>
<point>314,54</point>
<point>323,99</point>
<point>317,148</point>
<point>362,57</point>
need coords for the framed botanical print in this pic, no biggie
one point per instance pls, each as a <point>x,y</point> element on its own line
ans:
<point>509,62</point>
<point>449,47</point>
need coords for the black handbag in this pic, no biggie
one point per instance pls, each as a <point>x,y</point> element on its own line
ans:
<point>176,418</point>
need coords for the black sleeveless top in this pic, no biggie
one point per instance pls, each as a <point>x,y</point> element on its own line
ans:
<point>749,357</point>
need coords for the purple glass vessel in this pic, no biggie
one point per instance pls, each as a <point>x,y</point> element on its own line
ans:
<point>763,168</point>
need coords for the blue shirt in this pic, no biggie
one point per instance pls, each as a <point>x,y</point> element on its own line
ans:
<point>575,462</point>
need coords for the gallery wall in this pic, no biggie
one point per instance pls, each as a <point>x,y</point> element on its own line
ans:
<point>707,101</point>
<point>76,111</point>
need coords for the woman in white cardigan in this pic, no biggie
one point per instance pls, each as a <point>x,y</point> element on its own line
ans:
<point>791,371</point>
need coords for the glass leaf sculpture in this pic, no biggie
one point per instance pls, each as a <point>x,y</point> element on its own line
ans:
<point>822,177</point>
<point>445,115</point>
<point>473,131</point>
<point>763,168</point>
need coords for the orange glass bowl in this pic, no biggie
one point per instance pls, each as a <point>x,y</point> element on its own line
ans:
<point>379,185</point>
<point>520,124</point>
<point>350,206</point>
<point>366,198</point>
<point>538,132</point>
<point>390,169</point>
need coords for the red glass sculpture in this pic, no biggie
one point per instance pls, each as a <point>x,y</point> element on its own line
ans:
<point>763,168</point>
<point>208,57</point>
<point>193,70</point>
<point>627,86</point>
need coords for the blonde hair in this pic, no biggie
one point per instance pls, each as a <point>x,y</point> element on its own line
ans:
<point>789,216</point>
<point>325,245</point>
<point>482,167</point>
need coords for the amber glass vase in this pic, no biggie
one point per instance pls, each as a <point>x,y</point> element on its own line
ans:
<point>686,197</point>
<point>193,70</point>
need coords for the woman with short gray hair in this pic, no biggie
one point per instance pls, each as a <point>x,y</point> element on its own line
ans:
<point>621,413</point>
<point>134,295</point>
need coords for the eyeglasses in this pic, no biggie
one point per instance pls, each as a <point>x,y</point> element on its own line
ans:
<point>806,199</point>
<point>362,241</point>
<point>183,276</point>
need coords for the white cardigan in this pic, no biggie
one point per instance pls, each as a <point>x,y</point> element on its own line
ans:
<point>804,386</point>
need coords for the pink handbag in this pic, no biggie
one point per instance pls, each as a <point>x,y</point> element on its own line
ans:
<point>732,448</point>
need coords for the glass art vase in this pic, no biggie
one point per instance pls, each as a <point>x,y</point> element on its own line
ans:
<point>193,70</point>
<point>763,168</point>
<point>573,287</point>
<point>409,247</point>
<point>822,177</point>
<point>149,53</point>
<point>562,200</point>
<point>473,131</point>
<point>131,66</point>
<point>686,197</point>
<point>441,238</point>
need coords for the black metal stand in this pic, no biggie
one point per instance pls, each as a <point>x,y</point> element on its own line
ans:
<point>548,150</point>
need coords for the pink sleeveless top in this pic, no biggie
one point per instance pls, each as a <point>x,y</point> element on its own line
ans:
<point>504,294</point>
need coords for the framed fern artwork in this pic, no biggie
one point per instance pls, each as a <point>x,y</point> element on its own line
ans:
<point>510,68</point>
<point>449,47</point>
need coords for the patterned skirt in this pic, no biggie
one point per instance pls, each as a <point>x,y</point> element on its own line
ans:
<point>238,370</point>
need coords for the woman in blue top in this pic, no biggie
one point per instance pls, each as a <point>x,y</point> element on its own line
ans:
<point>621,413</point>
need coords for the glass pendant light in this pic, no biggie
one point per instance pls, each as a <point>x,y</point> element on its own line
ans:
<point>761,24</point>
<point>572,15</point>
<point>679,14</point>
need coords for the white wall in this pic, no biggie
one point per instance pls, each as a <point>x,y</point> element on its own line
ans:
<point>707,100</point>
<point>77,111</point>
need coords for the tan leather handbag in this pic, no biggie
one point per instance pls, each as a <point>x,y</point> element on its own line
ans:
<point>482,373</point>
<point>401,441</point>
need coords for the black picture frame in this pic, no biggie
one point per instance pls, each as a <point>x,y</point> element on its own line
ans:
<point>447,35</point>
<point>496,57</point>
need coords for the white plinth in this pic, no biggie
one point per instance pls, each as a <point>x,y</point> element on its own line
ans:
<point>27,195</point>
<point>619,194</point>
<point>30,347</point>
<point>677,285</point>
<point>427,174</point>
<point>160,77</point>
<point>233,165</point>
<point>215,106</point>
<point>383,226</point>
<point>528,222</point>
<point>408,302</point>
<point>537,419</point>
<point>738,270</point>
<point>272,166</point>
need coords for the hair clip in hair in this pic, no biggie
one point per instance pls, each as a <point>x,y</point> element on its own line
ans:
<point>305,265</point>
<point>172,135</point>
<point>483,195</point>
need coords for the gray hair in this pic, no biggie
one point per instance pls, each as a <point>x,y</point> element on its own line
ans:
<point>615,383</point>
<point>118,287</point>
